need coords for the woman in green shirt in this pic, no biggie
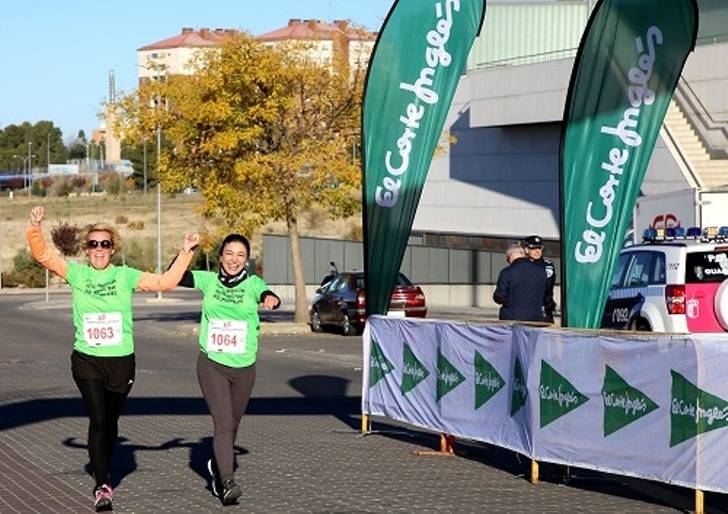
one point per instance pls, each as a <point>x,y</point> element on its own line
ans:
<point>228,346</point>
<point>102,361</point>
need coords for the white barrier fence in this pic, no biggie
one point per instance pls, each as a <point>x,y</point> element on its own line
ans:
<point>648,406</point>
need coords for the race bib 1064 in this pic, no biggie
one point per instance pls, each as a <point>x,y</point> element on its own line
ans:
<point>226,336</point>
<point>102,328</point>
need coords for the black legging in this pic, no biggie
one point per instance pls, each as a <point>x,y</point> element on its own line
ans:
<point>104,408</point>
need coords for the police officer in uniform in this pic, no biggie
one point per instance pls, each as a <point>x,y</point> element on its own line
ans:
<point>533,245</point>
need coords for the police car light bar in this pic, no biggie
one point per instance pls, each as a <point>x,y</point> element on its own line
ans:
<point>693,232</point>
<point>715,234</point>
<point>668,234</point>
<point>650,234</point>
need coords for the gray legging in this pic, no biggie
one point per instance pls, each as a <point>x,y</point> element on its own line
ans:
<point>227,391</point>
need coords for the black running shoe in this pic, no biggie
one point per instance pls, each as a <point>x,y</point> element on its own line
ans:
<point>230,492</point>
<point>215,483</point>
<point>103,498</point>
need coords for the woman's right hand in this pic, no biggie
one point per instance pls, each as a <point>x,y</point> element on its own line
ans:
<point>36,215</point>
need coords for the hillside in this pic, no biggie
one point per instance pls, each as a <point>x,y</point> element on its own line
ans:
<point>134,215</point>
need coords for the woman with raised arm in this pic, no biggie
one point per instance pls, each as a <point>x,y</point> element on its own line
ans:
<point>228,340</point>
<point>102,361</point>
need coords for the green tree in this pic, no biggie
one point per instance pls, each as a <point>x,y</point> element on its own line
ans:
<point>43,136</point>
<point>77,147</point>
<point>263,133</point>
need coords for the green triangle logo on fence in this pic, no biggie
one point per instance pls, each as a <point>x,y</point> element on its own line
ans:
<point>693,411</point>
<point>448,376</point>
<point>623,403</point>
<point>413,372</point>
<point>487,381</point>
<point>558,396</point>
<point>379,365</point>
<point>519,391</point>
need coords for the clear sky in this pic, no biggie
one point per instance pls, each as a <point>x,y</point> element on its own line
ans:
<point>56,55</point>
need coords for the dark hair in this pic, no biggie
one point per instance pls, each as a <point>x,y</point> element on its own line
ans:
<point>232,238</point>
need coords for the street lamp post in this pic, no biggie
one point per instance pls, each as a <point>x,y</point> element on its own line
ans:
<point>159,207</point>
<point>26,162</point>
<point>145,165</point>
<point>30,167</point>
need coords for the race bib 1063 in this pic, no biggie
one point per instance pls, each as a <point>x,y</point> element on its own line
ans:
<point>226,336</point>
<point>102,328</point>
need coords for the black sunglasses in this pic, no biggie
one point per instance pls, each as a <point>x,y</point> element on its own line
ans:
<point>104,243</point>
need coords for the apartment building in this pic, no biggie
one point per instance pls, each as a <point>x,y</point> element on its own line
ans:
<point>325,43</point>
<point>174,55</point>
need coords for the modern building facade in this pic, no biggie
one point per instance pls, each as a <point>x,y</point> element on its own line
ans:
<point>499,181</point>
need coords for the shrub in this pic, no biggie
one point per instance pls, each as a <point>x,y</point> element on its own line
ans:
<point>112,185</point>
<point>37,189</point>
<point>67,239</point>
<point>140,254</point>
<point>26,271</point>
<point>79,182</point>
<point>202,259</point>
<point>65,188</point>
<point>8,279</point>
<point>136,225</point>
<point>121,219</point>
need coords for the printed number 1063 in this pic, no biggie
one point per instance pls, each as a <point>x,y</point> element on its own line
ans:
<point>102,333</point>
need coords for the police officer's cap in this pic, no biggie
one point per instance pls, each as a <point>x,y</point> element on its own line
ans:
<point>533,242</point>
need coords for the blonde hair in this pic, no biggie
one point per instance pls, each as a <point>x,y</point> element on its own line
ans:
<point>101,227</point>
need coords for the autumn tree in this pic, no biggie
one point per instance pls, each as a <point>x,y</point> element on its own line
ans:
<point>264,133</point>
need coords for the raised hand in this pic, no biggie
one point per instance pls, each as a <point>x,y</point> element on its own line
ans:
<point>36,215</point>
<point>191,242</point>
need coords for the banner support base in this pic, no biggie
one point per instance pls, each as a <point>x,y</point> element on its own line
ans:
<point>534,472</point>
<point>699,502</point>
<point>366,423</point>
<point>447,448</point>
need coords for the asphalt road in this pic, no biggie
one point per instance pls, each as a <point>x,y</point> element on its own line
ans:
<point>298,449</point>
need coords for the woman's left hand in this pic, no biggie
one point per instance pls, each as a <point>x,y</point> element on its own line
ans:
<point>271,302</point>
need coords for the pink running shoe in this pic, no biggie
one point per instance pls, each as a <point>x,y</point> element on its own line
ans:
<point>103,498</point>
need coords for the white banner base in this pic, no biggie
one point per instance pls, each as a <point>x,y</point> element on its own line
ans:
<point>648,406</point>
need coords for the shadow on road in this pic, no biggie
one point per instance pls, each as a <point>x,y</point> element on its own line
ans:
<point>39,410</point>
<point>124,463</point>
<point>324,395</point>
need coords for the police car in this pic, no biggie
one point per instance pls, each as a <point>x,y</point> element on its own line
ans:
<point>675,281</point>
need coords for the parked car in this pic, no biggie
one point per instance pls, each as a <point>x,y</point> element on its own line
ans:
<point>341,302</point>
<point>671,283</point>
